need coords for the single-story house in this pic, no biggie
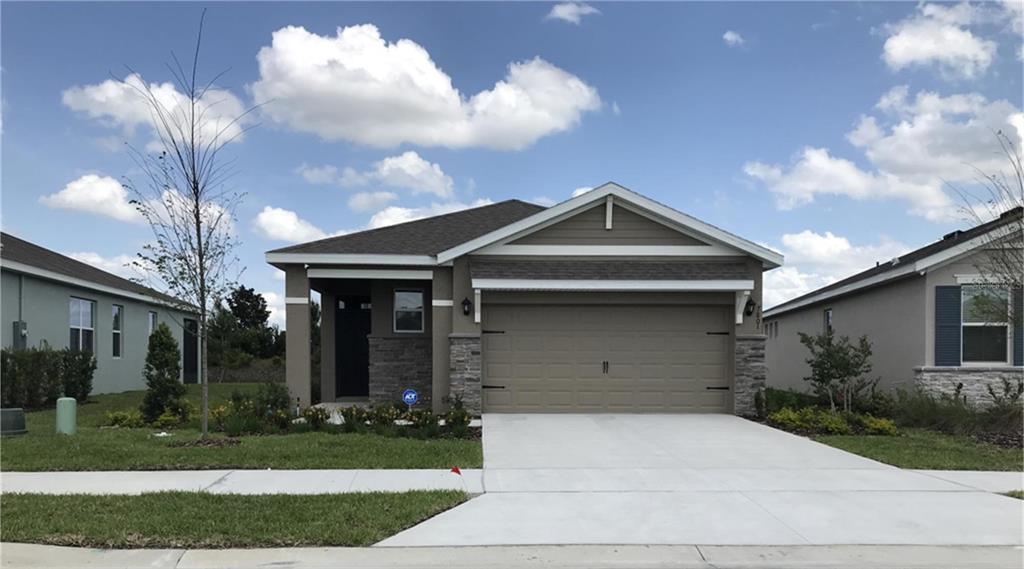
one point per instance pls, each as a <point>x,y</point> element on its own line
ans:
<point>48,299</point>
<point>609,301</point>
<point>921,313</point>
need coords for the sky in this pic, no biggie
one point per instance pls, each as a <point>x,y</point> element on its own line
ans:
<point>829,131</point>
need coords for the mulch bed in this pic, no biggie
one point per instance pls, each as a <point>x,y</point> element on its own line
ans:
<point>1004,440</point>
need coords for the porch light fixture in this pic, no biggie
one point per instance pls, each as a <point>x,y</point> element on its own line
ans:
<point>748,308</point>
<point>467,307</point>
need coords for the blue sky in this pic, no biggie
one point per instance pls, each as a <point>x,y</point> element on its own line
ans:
<point>824,130</point>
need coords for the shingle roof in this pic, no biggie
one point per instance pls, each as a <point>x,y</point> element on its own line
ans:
<point>608,270</point>
<point>428,236</point>
<point>18,250</point>
<point>948,241</point>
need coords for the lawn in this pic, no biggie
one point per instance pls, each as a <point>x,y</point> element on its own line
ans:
<point>95,448</point>
<point>193,520</point>
<point>918,448</point>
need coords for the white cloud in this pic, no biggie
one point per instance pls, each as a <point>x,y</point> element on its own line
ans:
<point>122,104</point>
<point>92,193</point>
<point>814,260</point>
<point>733,39</point>
<point>581,190</point>
<point>394,214</point>
<point>615,108</point>
<point>937,35</point>
<point>318,174</point>
<point>370,201</point>
<point>406,171</point>
<point>285,225</point>
<point>571,12</point>
<point>915,147</point>
<point>544,201</point>
<point>356,86</point>
<point>276,306</point>
<point>121,265</point>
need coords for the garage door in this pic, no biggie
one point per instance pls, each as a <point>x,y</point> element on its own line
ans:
<point>584,358</point>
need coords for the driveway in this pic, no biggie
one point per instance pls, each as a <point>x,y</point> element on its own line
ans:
<point>704,480</point>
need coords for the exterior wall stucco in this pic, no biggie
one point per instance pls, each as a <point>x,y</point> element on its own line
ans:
<point>44,307</point>
<point>892,317</point>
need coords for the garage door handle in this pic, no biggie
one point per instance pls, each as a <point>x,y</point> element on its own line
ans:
<point>493,386</point>
<point>492,331</point>
<point>716,388</point>
<point>717,333</point>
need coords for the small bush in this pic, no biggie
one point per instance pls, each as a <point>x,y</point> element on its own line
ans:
<point>77,369</point>
<point>124,419</point>
<point>169,419</point>
<point>316,417</point>
<point>355,418</point>
<point>810,420</point>
<point>273,398</point>
<point>869,425</point>
<point>164,390</point>
<point>778,399</point>
<point>456,420</point>
<point>384,415</point>
<point>32,378</point>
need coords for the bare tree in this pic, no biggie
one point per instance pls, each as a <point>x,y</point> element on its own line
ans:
<point>184,196</point>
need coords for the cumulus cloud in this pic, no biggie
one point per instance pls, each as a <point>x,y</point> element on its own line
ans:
<point>276,306</point>
<point>370,201</point>
<point>581,190</point>
<point>938,35</point>
<point>394,214</point>
<point>356,86</point>
<point>733,39</point>
<point>120,265</point>
<point>814,260</point>
<point>122,104</point>
<point>286,225</point>
<point>318,174</point>
<point>915,147</point>
<point>572,12</point>
<point>406,171</point>
<point>544,201</point>
<point>92,193</point>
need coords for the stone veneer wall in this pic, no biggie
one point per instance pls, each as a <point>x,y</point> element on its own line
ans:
<point>397,364</point>
<point>465,371</point>
<point>750,372</point>
<point>974,381</point>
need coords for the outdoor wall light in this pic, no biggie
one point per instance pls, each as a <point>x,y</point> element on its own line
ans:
<point>748,308</point>
<point>467,306</point>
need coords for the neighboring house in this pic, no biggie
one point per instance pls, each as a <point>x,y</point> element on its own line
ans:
<point>47,299</point>
<point>919,312</point>
<point>609,301</point>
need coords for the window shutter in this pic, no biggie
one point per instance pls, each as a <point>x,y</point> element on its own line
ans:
<point>1018,330</point>
<point>947,325</point>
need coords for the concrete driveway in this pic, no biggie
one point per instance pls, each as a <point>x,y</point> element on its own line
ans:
<point>704,480</point>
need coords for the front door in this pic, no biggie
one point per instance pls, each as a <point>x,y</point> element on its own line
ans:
<point>352,347</point>
<point>190,351</point>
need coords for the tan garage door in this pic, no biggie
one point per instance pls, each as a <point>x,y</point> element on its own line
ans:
<point>659,358</point>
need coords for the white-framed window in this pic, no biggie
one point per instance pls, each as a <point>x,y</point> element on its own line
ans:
<point>408,310</point>
<point>985,325</point>
<point>828,321</point>
<point>81,318</point>
<point>117,327</point>
<point>152,321</point>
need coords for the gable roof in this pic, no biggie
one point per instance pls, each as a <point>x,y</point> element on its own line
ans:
<point>951,245</point>
<point>20,255</point>
<point>422,237</point>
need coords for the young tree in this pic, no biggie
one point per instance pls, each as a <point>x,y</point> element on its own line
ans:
<point>836,365</point>
<point>164,391</point>
<point>185,200</point>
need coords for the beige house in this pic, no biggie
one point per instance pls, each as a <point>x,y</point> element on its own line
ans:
<point>609,301</point>
<point>920,313</point>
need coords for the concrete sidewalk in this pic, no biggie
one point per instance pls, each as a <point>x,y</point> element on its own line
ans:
<point>241,481</point>
<point>22,556</point>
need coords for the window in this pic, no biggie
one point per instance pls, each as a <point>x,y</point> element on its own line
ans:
<point>81,320</point>
<point>408,311</point>
<point>117,314</point>
<point>828,320</point>
<point>152,321</point>
<point>985,324</point>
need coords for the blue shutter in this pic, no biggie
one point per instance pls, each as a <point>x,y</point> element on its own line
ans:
<point>1018,329</point>
<point>947,325</point>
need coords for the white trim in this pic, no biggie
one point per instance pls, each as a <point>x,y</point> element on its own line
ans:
<point>608,212</point>
<point>610,250</point>
<point>741,304</point>
<point>611,285</point>
<point>296,300</point>
<point>370,274</point>
<point>770,258</point>
<point>442,303</point>
<point>73,281</point>
<point>344,259</point>
<point>476,305</point>
<point>963,248</point>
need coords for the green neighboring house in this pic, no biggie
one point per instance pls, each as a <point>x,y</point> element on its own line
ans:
<point>48,299</point>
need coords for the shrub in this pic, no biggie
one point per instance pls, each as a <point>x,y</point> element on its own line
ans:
<point>164,392</point>
<point>316,417</point>
<point>31,377</point>
<point>167,420</point>
<point>778,399</point>
<point>837,366</point>
<point>810,420</point>
<point>456,420</point>
<point>787,420</point>
<point>384,415</point>
<point>272,398</point>
<point>124,419</point>
<point>946,413</point>
<point>355,418</point>
<point>77,369</point>
<point>869,425</point>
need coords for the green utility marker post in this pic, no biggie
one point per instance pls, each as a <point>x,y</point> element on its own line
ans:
<point>66,415</point>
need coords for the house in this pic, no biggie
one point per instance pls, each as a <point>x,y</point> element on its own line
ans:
<point>48,299</point>
<point>920,312</point>
<point>609,301</point>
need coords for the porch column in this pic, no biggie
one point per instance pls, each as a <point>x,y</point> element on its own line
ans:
<point>297,352</point>
<point>442,305</point>
<point>328,311</point>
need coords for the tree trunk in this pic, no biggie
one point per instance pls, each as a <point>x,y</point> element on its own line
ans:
<point>203,377</point>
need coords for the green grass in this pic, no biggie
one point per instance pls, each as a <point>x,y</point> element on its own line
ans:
<point>918,448</point>
<point>1018,494</point>
<point>95,448</point>
<point>193,520</point>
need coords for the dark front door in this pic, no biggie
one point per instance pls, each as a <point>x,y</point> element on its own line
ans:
<point>190,351</point>
<point>351,346</point>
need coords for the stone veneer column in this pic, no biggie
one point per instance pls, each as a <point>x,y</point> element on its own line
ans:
<point>397,364</point>
<point>750,372</point>
<point>465,373</point>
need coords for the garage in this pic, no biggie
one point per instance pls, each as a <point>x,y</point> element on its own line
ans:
<point>553,358</point>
